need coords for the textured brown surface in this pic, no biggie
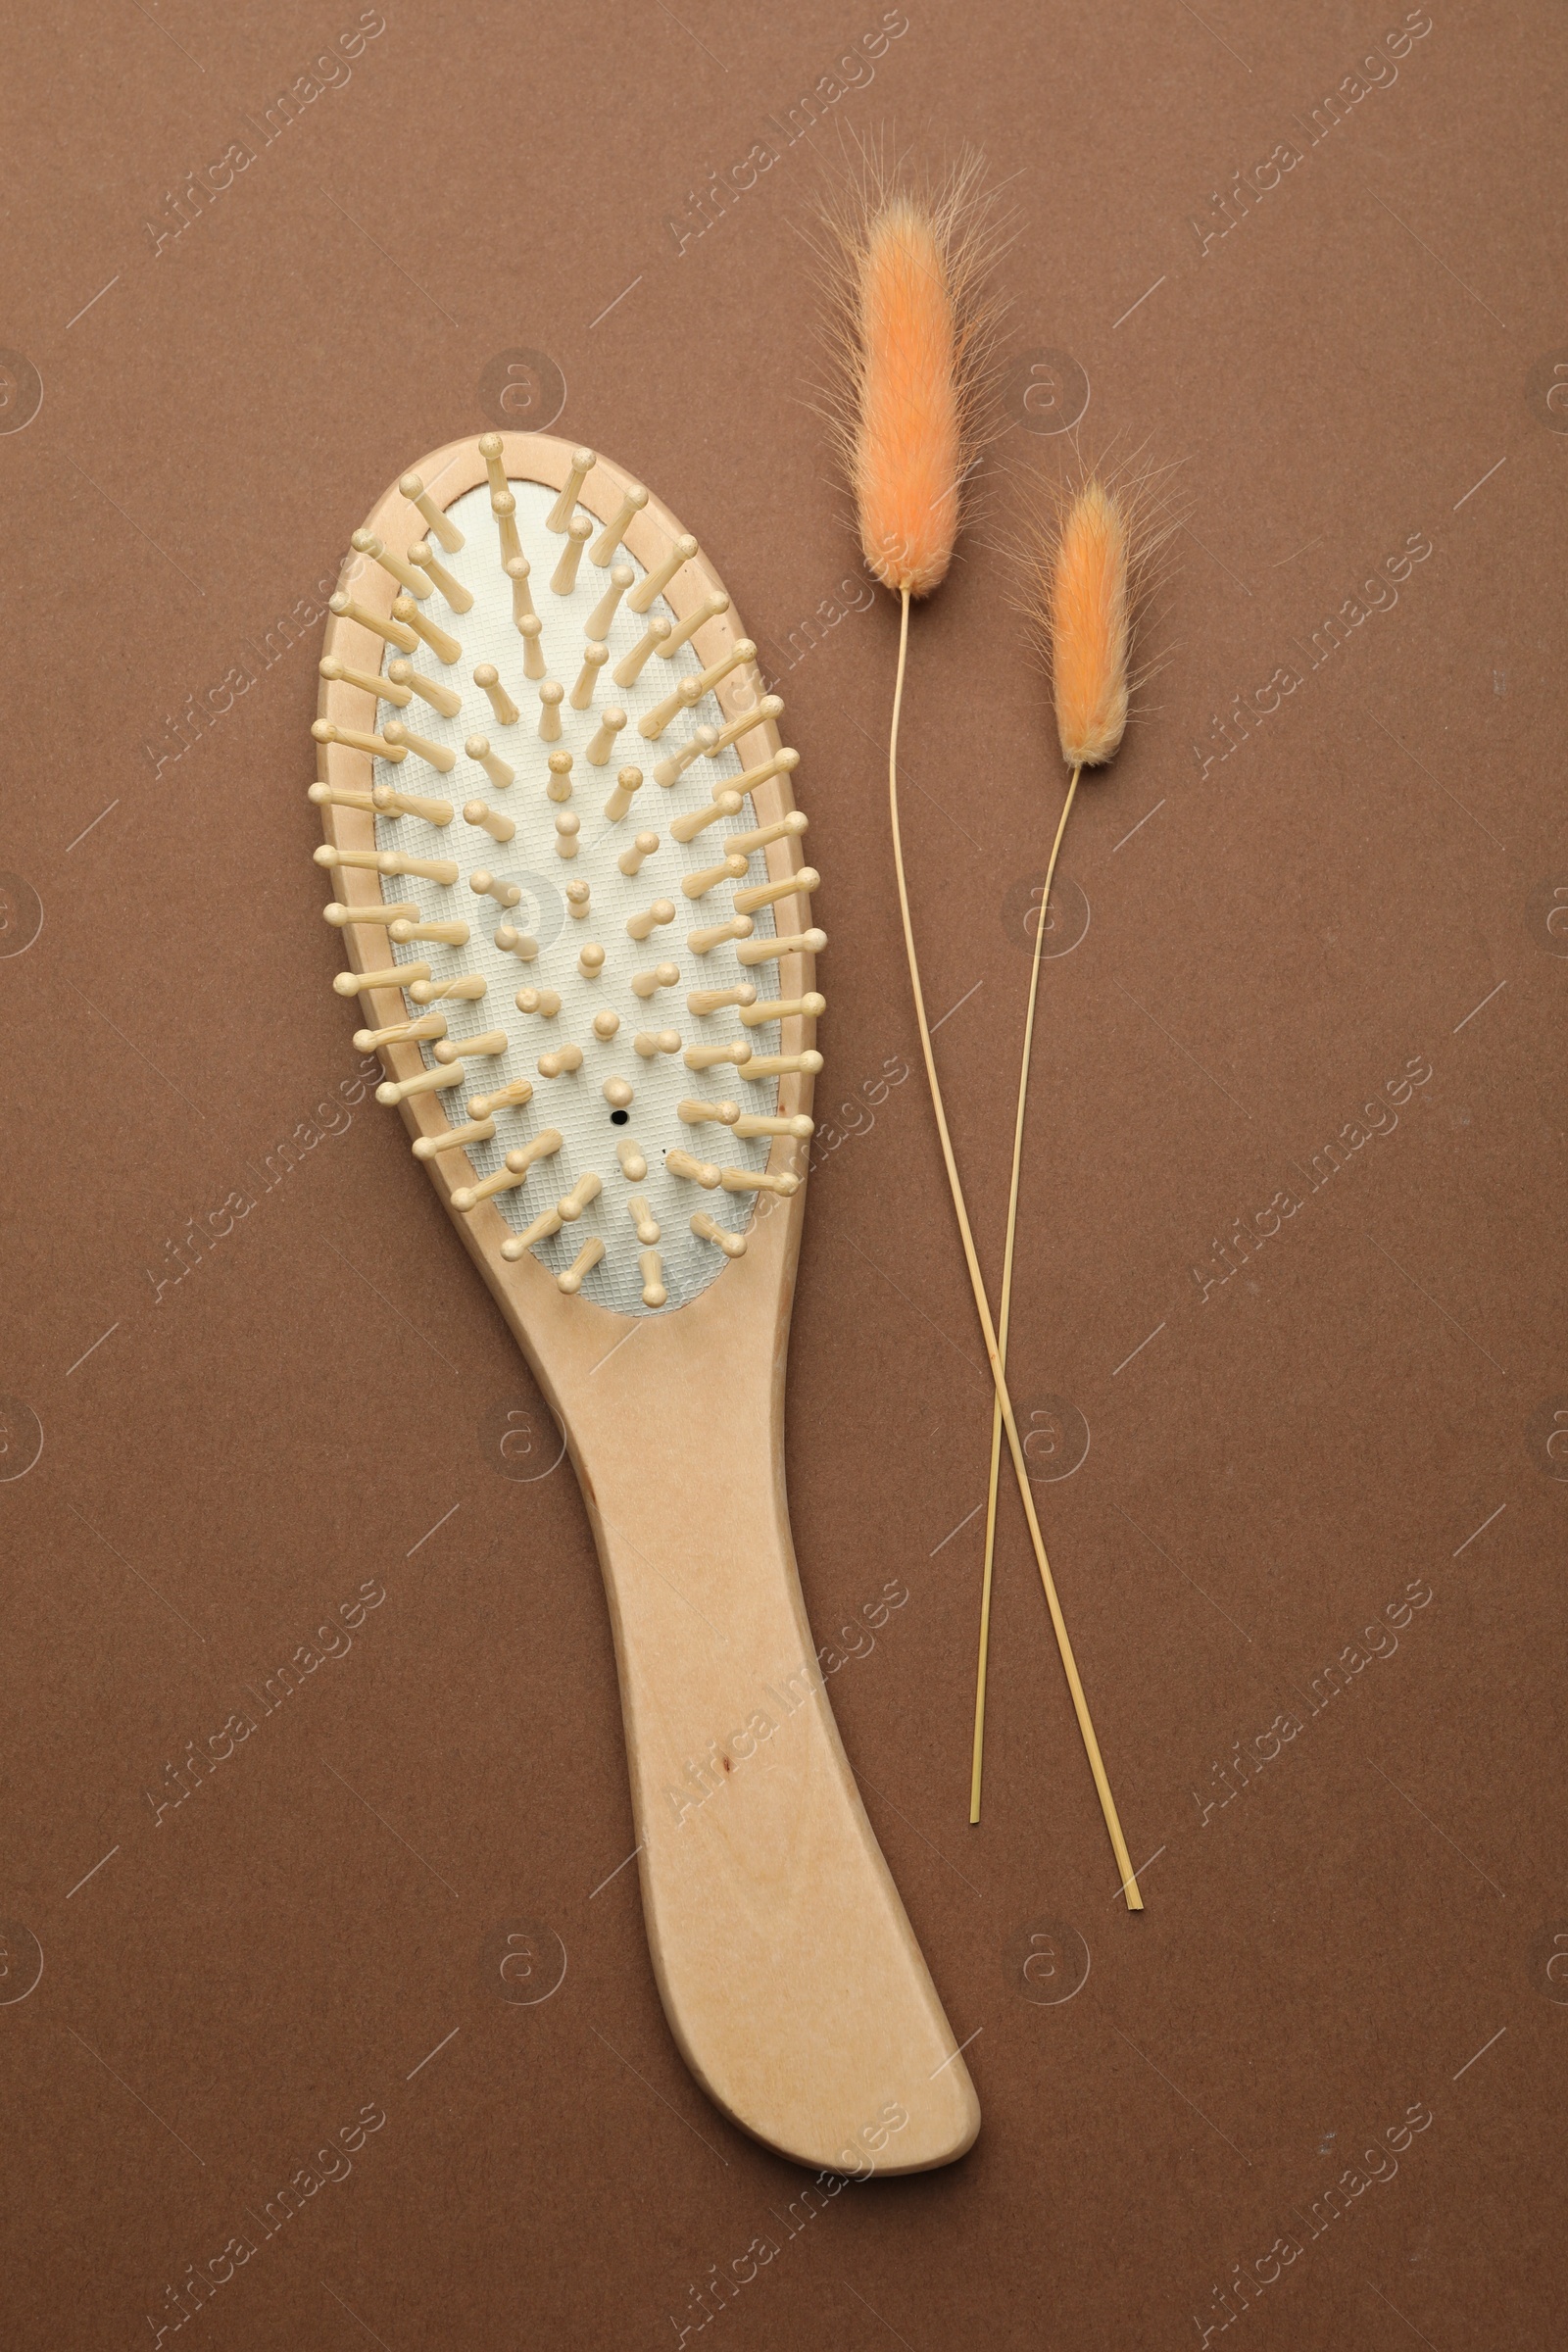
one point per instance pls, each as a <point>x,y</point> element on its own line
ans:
<point>1366,1406</point>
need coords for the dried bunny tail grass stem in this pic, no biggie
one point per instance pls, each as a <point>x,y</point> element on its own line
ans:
<point>913,334</point>
<point>1003,1321</point>
<point>1092,558</point>
<point>1004,1402</point>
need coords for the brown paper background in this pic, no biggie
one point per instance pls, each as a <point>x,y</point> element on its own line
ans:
<point>1367,878</point>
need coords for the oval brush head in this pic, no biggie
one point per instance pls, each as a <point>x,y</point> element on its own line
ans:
<point>591,925</point>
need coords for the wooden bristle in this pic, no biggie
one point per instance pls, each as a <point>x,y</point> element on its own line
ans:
<point>499,771</point>
<point>413,583</point>
<point>441,642</point>
<point>491,448</point>
<point>593,657</point>
<point>397,633</point>
<point>753,1123</point>
<point>504,506</point>
<point>544,1145</point>
<point>782,764</point>
<point>620,802</point>
<point>708,877</point>
<point>733,1245</point>
<point>377,911</point>
<point>435,753</point>
<point>327,796</point>
<point>486,885</point>
<point>769,951</point>
<point>742,651</point>
<point>671,769</point>
<point>770,707</point>
<point>658,579</point>
<point>389,802</point>
<point>651,1269</point>
<point>783,1066</point>
<point>581,1266</point>
<point>441,527</point>
<point>393,1091</point>
<point>539,1231</point>
<point>583,462</point>
<point>651,918</point>
<point>633,501</point>
<point>697,617</point>
<point>654,723</point>
<point>695,1171</point>
<point>600,619</point>
<point>517,569</point>
<point>384,689</point>
<point>445,935</point>
<point>786,828</point>
<point>379,747</point>
<point>483,1048</point>
<point>429,690</point>
<point>651,1042</point>
<point>550,698</point>
<point>703,943</point>
<point>469,986</point>
<point>510,1096</point>
<point>390,861</point>
<point>564,579</point>
<point>708,1057</point>
<point>602,742</point>
<point>532,630</point>
<point>637,1208</point>
<point>629,669</point>
<point>704,1001</point>
<point>397,975</point>
<point>648,983</point>
<point>401,1033</point>
<point>489,820</point>
<point>488,680</point>
<point>808,1007</point>
<point>459,599</point>
<point>587,1189</point>
<point>631,860</point>
<point>768,894</point>
<point>456,1139</point>
<point>758,1180</point>
<point>724,803</point>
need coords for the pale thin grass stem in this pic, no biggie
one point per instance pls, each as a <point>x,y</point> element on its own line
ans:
<point>1107,1803</point>
<point>977,1766</point>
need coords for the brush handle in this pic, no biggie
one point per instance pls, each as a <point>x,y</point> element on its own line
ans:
<point>789,1972</point>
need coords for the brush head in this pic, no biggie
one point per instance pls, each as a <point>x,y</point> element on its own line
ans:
<point>571,1041</point>
<point>913,334</point>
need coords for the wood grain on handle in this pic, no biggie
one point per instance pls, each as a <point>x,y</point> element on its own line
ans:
<point>789,1972</point>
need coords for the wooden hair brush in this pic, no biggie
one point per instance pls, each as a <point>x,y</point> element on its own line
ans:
<point>605,1064</point>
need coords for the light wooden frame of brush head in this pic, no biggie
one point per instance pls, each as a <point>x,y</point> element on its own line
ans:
<point>788,1969</point>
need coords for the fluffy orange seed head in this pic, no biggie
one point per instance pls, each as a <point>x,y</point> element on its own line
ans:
<point>906,457</point>
<point>1089,626</point>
